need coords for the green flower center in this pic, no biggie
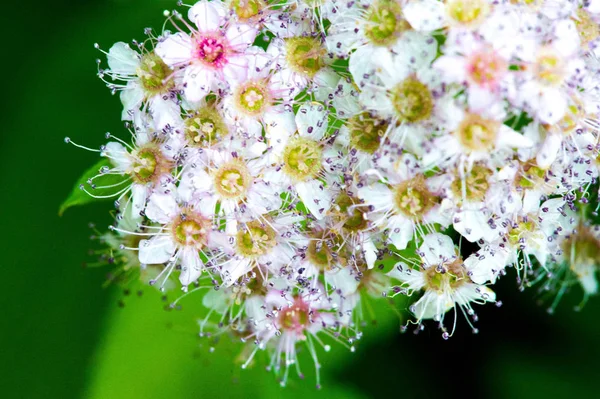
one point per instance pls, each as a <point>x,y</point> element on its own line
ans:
<point>233,179</point>
<point>302,159</point>
<point>354,220</point>
<point>412,101</point>
<point>413,199</point>
<point>205,128</point>
<point>588,29</point>
<point>257,240</point>
<point>549,69</point>
<point>477,134</point>
<point>583,247</point>
<point>366,132</point>
<point>154,74</point>
<point>304,55</point>
<point>253,98</point>
<point>452,276</point>
<point>296,317</point>
<point>191,229</point>
<point>467,11</point>
<point>530,176</point>
<point>384,22</point>
<point>476,184</point>
<point>519,234</point>
<point>246,9</point>
<point>148,164</point>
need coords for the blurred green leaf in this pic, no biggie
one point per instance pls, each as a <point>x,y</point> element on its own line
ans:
<point>103,188</point>
<point>148,352</point>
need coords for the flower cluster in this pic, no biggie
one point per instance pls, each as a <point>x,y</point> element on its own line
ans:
<point>298,158</point>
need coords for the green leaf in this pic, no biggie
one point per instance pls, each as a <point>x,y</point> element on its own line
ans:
<point>147,352</point>
<point>104,187</point>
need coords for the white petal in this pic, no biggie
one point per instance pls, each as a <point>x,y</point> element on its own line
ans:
<point>552,106</point>
<point>432,305</point>
<point>370,252</point>
<point>486,264</point>
<point>425,15</point>
<point>437,248</point>
<point>176,49</point>
<point>131,98</point>
<point>122,59</point>
<point>241,36</point>
<point>508,138</point>
<point>199,82</point>
<point>235,269</point>
<point>139,194</point>
<point>157,250</point>
<point>236,69</point>
<point>315,197</point>
<point>206,15</point>
<point>162,208</point>
<point>377,195</point>
<point>191,266</point>
<point>118,155</point>
<point>416,50</point>
<point>549,150</point>
<point>311,120</point>
<point>472,292</point>
<point>165,113</point>
<point>342,280</point>
<point>401,231</point>
<point>413,279</point>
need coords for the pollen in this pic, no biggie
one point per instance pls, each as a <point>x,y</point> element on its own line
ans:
<point>324,250</point>
<point>297,317</point>
<point>583,247</point>
<point>587,28</point>
<point>486,68</point>
<point>352,219</point>
<point>549,68</point>
<point>523,232</point>
<point>530,176</point>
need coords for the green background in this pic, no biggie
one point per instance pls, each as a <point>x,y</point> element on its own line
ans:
<point>64,336</point>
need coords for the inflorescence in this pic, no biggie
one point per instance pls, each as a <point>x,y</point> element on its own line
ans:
<point>299,158</point>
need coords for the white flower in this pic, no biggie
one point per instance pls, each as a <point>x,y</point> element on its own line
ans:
<point>444,279</point>
<point>212,54</point>
<point>149,164</point>
<point>304,158</point>
<point>148,84</point>
<point>185,232</point>
<point>401,202</point>
<point>285,320</point>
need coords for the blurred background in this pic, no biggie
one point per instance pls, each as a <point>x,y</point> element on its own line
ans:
<point>63,335</point>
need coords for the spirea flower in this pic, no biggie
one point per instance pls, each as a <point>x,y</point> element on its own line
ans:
<point>290,163</point>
